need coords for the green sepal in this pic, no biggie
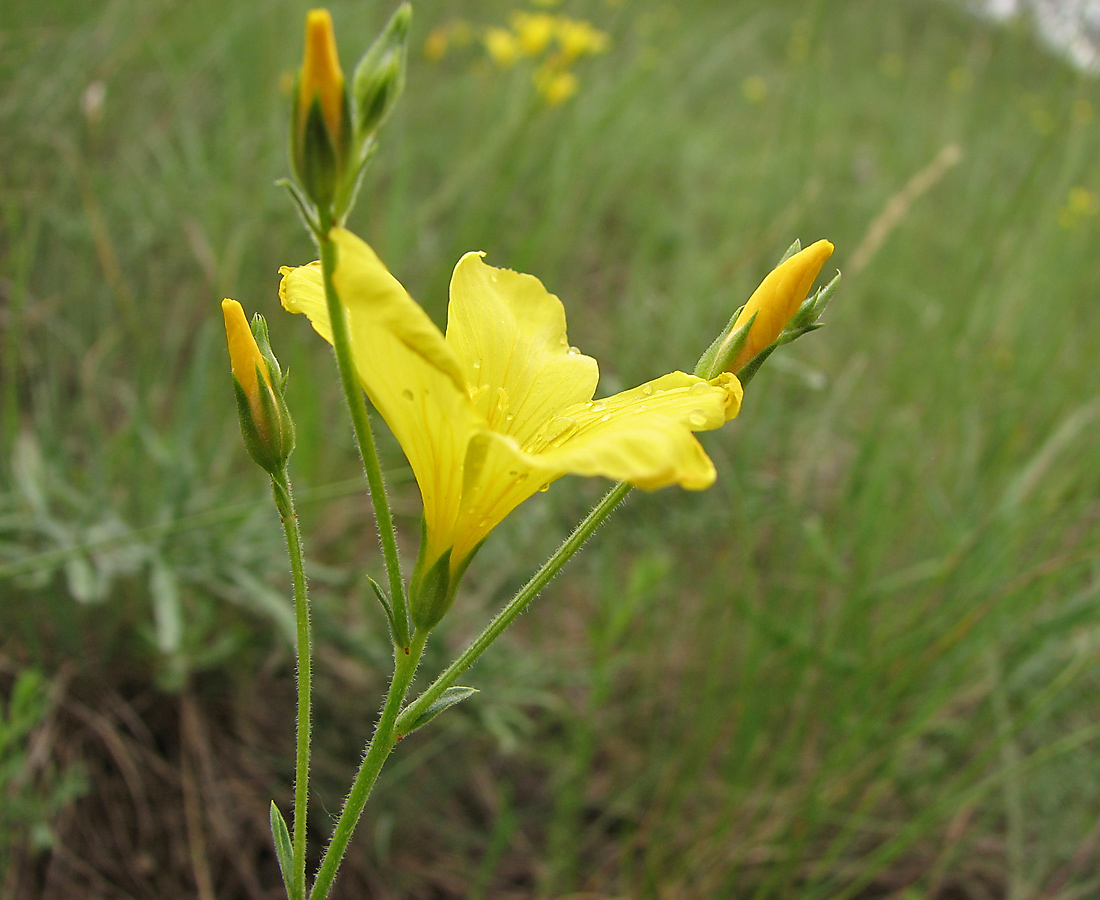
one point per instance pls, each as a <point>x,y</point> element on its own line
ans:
<point>454,695</point>
<point>316,162</point>
<point>432,587</point>
<point>399,624</point>
<point>796,247</point>
<point>283,852</point>
<point>306,211</point>
<point>430,591</point>
<point>806,319</point>
<point>721,354</point>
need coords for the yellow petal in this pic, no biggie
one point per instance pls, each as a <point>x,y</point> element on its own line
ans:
<point>508,334</point>
<point>244,354</point>
<point>405,366</point>
<point>778,298</point>
<point>643,436</point>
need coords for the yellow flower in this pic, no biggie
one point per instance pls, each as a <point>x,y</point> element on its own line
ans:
<point>321,78</point>
<point>778,298</point>
<point>502,405</point>
<point>579,38</point>
<point>554,84</point>
<point>502,46</point>
<point>534,30</point>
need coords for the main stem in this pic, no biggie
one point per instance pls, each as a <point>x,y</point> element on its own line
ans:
<point>383,741</point>
<point>516,605</point>
<point>284,500</point>
<point>364,436</point>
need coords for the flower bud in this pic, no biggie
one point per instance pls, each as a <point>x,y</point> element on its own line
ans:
<point>258,384</point>
<point>380,75</point>
<point>778,298</point>
<point>321,134</point>
<point>760,322</point>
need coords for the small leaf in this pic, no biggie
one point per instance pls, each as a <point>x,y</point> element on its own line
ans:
<point>282,845</point>
<point>451,696</point>
<point>385,601</point>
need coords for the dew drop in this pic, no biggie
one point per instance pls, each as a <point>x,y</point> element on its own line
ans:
<point>543,488</point>
<point>697,419</point>
<point>574,351</point>
<point>407,394</point>
<point>599,406</point>
<point>647,390</point>
<point>606,417</point>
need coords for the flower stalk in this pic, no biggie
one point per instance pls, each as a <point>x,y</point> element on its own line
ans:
<point>284,500</point>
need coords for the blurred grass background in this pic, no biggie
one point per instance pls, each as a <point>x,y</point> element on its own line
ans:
<point>863,665</point>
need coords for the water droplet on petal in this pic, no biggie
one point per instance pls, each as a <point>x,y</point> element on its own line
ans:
<point>574,351</point>
<point>606,417</point>
<point>407,394</point>
<point>647,390</point>
<point>697,419</point>
<point>599,406</point>
<point>543,488</point>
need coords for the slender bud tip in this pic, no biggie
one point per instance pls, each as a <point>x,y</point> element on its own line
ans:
<point>244,353</point>
<point>321,76</point>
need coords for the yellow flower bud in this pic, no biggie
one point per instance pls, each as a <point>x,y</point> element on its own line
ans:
<point>321,77</point>
<point>244,352</point>
<point>778,298</point>
<point>265,421</point>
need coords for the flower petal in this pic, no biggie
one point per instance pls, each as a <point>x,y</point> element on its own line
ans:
<point>406,368</point>
<point>643,435</point>
<point>508,333</point>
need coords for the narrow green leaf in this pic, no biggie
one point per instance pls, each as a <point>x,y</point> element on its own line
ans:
<point>453,695</point>
<point>282,845</point>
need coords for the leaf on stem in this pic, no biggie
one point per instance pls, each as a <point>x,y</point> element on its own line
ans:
<point>453,695</point>
<point>282,846</point>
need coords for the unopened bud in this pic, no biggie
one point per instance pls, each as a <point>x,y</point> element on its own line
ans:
<point>321,133</point>
<point>771,307</point>
<point>380,75</point>
<point>258,384</point>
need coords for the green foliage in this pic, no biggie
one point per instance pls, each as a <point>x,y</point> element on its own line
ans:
<point>864,660</point>
<point>32,787</point>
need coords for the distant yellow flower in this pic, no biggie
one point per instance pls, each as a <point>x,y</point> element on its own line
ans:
<point>435,46</point>
<point>778,298</point>
<point>534,31</point>
<point>502,405</point>
<point>754,89</point>
<point>502,46</point>
<point>1081,204</point>
<point>578,38</point>
<point>554,84</point>
<point>321,78</point>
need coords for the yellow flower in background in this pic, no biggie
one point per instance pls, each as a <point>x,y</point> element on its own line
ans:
<point>578,38</point>
<point>321,78</point>
<point>502,46</point>
<point>1081,204</point>
<point>554,84</point>
<point>778,298</point>
<point>534,31</point>
<point>502,405</point>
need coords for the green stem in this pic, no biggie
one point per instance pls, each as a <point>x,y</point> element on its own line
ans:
<point>364,436</point>
<point>516,605</point>
<point>284,500</point>
<point>385,737</point>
